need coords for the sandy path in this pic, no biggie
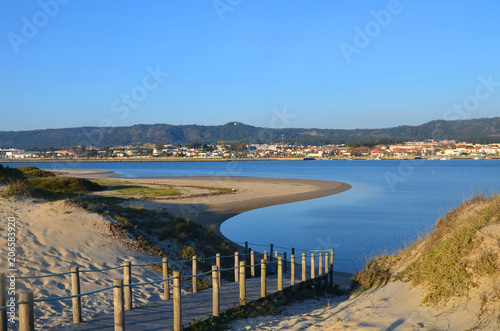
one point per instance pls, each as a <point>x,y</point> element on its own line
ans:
<point>396,306</point>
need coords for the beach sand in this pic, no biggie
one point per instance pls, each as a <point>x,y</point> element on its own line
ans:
<point>396,306</point>
<point>52,237</point>
<point>211,210</point>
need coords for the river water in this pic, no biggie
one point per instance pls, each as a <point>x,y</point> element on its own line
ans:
<point>390,204</point>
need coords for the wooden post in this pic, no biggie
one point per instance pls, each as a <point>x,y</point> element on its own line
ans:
<point>265,256</point>
<point>275,266</point>
<point>292,270</point>
<point>166,287</point>
<point>3,302</point>
<point>271,250</point>
<point>304,270</point>
<point>195,271</point>
<point>26,313</point>
<point>177,301</point>
<point>236,265</point>
<point>243,290</point>
<point>252,263</point>
<point>118,305</point>
<point>331,267</point>
<point>217,263</point>
<point>246,250</point>
<point>284,263</point>
<point>327,264</point>
<point>320,265</point>
<point>215,292</point>
<point>313,271</point>
<point>280,273</point>
<point>127,290</point>
<point>263,278</point>
<point>75,290</point>
<point>313,266</point>
<point>320,274</point>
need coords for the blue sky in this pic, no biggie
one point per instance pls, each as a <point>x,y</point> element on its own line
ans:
<point>281,63</point>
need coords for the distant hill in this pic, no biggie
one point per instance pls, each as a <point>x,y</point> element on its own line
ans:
<point>485,130</point>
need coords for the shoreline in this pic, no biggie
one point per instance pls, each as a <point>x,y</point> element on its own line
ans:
<point>200,159</point>
<point>211,211</point>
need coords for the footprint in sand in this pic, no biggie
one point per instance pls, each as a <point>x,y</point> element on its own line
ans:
<point>82,257</point>
<point>34,238</point>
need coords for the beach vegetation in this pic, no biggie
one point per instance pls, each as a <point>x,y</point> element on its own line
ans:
<point>153,229</point>
<point>43,186</point>
<point>39,173</point>
<point>64,185</point>
<point>141,192</point>
<point>376,273</point>
<point>460,255</point>
<point>187,253</point>
<point>9,175</point>
<point>32,171</point>
<point>262,307</point>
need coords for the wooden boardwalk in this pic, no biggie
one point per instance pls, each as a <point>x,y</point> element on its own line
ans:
<point>195,306</point>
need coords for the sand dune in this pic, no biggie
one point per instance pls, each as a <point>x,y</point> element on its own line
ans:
<point>52,237</point>
<point>393,307</point>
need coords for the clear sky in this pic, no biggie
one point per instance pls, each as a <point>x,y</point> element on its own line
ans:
<point>280,63</point>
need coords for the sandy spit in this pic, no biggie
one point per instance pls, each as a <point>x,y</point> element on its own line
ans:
<point>52,237</point>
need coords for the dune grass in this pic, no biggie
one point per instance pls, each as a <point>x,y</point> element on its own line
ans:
<point>32,182</point>
<point>121,189</point>
<point>9,175</point>
<point>449,261</point>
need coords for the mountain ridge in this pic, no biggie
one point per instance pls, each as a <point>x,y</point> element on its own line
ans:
<point>483,130</point>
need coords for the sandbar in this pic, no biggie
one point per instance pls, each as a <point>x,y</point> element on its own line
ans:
<point>247,193</point>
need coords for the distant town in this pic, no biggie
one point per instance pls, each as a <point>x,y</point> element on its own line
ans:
<point>430,149</point>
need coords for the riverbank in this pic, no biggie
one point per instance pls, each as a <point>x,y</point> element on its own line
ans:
<point>54,236</point>
<point>205,159</point>
<point>246,193</point>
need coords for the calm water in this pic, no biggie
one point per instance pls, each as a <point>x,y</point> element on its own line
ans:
<point>390,204</point>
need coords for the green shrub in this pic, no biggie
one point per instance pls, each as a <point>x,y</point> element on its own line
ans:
<point>187,253</point>
<point>27,168</point>
<point>8,174</point>
<point>445,268</point>
<point>486,264</point>
<point>18,188</point>
<point>39,173</point>
<point>64,185</point>
<point>377,272</point>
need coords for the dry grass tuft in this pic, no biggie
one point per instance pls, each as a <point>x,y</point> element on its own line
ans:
<point>452,260</point>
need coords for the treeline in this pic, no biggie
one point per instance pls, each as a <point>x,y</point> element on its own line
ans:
<point>486,130</point>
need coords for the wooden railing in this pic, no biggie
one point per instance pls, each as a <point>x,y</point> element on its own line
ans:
<point>122,288</point>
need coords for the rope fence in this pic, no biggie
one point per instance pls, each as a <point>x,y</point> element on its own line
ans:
<point>122,288</point>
